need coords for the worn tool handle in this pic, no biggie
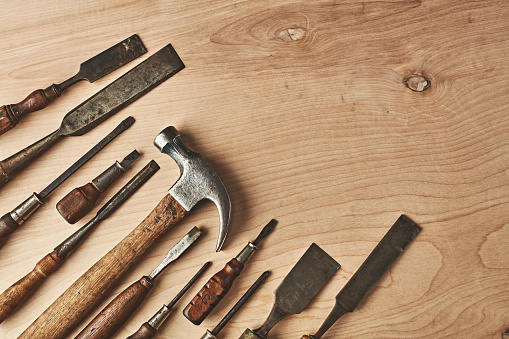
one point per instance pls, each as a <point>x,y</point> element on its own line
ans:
<point>79,299</point>
<point>7,226</point>
<point>19,292</point>
<point>78,202</point>
<point>10,115</point>
<point>213,292</point>
<point>144,332</point>
<point>116,313</point>
<point>248,334</point>
<point>13,165</point>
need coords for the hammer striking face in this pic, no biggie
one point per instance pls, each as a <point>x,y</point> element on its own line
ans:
<point>198,181</point>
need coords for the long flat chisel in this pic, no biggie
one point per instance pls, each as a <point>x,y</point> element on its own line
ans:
<point>20,291</point>
<point>90,70</point>
<point>108,101</point>
<point>13,220</point>
<point>298,288</point>
<point>371,271</point>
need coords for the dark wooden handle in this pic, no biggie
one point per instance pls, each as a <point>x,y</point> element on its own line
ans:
<point>144,332</point>
<point>10,115</point>
<point>79,299</point>
<point>213,292</point>
<point>7,226</point>
<point>78,202</point>
<point>116,313</point>
<point>13,165</point>
<point>15,295</point>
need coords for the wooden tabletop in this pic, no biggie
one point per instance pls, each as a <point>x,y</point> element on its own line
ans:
<point>302,109</point>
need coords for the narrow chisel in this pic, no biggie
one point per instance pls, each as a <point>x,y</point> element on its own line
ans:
<point>108,101</point>
<point>90,70</point>
<point>13,220</point>
<point>313,270</point>
<point>78,202</point>
<point>15,295</point>
<point>148,330</point>
<point>116,313</point>
<point>219,285</point>
<point>402,233</point>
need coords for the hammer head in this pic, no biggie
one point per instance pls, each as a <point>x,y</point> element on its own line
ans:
<point>197,180</point>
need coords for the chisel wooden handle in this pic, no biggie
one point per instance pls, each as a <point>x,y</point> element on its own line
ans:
<point>144,332</point>
<point>213,292</point>
<point>7,226</point>
<point>79,299</point>
<point>116,313</point>
<point>10,115</point>
<point>78,202</point>
<point>15,295</point>
<point>13,165</point>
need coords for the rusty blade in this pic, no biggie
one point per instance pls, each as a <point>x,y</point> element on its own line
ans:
<point>313,270</point>
<point>123,91</point>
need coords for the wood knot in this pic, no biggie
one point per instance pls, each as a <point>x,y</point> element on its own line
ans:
<point>291,34</point>
<point>417,83</point>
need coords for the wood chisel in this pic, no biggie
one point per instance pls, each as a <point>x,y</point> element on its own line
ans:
<point>15,295</point>
<point>402,233</point>
<point>148,330</point>
<point>235,309</point>
<point>116,313</point>
<point>304,281</point>
<point>219,285</point>
<point>108,101</point>
<point>13,220</point>
<point>90,70</point>
<point>78,202</point>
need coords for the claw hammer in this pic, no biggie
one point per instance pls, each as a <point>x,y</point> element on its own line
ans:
<point>197,181</point>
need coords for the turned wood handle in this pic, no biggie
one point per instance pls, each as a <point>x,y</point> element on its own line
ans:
<point>13,165</point>
<point>78,202</point>
<point>116,313</point>
<point>7,226</point>
<point>79,299</point>
<point>10,115</point>
<point>213,292</point>
<point>144,332</point>
<point>15,295</point>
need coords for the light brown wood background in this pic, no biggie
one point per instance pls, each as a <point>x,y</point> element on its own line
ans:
<point>300,106</point>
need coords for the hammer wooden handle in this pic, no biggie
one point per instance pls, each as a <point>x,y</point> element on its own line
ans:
<point>144,332</point>
<point>116,313</point>
<point>79,299</point>
<point>213,292</point>
<point>78,202</point>
<point>10,115</point>
<point>15,295</point>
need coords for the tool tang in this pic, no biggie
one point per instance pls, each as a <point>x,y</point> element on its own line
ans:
<point>108,101</point>
<point>90,70</point>
<point>116,313</point>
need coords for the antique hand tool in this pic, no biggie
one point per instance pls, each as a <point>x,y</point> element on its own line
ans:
<point>197,181</point>
<point>78,202</point>
<point>108,101</point>
<point>303,282</point>
<point>371,271</point>
<point>116,313</point>
<point>219,285</point>
<point>149,329</point>
<point>13,220</point>
<point>15,295</point>
<point>235,309</point>
<point>90,70</point>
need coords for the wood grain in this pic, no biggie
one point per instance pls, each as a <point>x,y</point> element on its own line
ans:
<point>302,109</point>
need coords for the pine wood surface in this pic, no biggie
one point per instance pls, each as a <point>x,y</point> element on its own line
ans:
<point>301,108</point>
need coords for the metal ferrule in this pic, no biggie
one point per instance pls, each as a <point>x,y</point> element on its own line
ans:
<point>107,177</point>
<point>208,335</point>
<point>246,253</point>
<point>158,319</point>
<point>21,213</point>
<point>248,334</point>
